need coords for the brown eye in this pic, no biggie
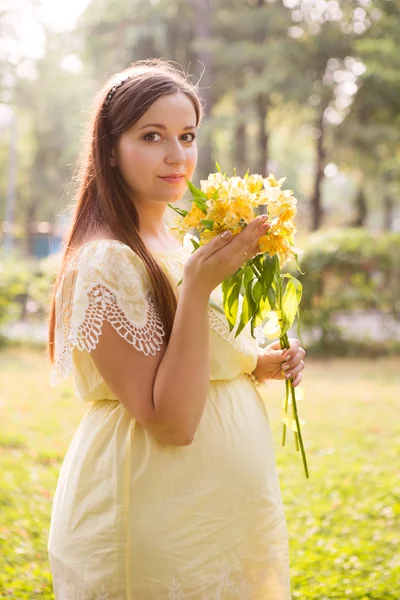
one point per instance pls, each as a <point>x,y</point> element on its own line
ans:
<point>191,140</point>
<point>148,137</point>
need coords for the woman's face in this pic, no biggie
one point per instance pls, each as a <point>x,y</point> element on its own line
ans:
<point>159,145</point>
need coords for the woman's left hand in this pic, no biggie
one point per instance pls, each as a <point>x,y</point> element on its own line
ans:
<point>275,363</point>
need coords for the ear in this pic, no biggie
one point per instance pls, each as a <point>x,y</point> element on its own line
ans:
<point>112,158</point>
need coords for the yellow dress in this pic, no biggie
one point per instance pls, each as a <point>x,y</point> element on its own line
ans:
<point>134,519</point>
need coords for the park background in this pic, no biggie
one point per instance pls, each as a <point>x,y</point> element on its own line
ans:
<point>305,89</point>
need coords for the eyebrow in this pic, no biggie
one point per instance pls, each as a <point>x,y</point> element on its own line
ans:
<point>161,126</point>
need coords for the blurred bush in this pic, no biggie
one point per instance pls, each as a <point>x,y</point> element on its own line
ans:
<point>25,287</point>
<point>349,271</point>
<point>346,273</point>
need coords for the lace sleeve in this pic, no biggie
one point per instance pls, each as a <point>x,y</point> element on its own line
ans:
<point>106,282</point>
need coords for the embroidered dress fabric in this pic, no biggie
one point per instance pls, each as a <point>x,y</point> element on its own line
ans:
<point>132,518</point>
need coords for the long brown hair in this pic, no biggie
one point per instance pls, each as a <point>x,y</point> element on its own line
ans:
<point>103,200</point>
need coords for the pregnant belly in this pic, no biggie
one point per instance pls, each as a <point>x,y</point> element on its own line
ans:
<point>217,496</point>
<point>231,457</point>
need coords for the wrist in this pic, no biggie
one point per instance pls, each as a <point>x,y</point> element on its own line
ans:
<point>194,291</point>
<point>256,381</point>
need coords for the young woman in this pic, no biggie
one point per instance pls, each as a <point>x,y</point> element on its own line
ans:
<point>169,489</point>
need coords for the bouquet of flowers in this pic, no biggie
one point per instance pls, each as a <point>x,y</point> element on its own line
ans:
<point>269,298</point>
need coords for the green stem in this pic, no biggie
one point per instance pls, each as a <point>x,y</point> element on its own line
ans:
<point>256,271</point>
<point>303,454</point>
<point>285,409</point>
<point>299,441</point>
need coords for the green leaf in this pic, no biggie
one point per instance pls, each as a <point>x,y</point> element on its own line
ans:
<point>218,167</point>
<point>200,204</point>
<point>207,224</point>
<point>257,292</point>
<point>195,243</point>
<point>290,301</point>
<point>196,191</point>
<point>298,285</point>
<point>249,306</point>
<point>247,277</point>
<point>296,259</point>
<point>199,197</point>
<point>180,211</point>
<point>269,270</point>
<point>230,291</point>
<point>271,296</point>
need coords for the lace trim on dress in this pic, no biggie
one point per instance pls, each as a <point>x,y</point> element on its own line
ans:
<point>117,295</point>
<point>228,585</point>
<point>103,306</point>
<point>218,322</point>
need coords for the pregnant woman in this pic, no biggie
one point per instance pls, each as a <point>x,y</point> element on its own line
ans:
<point>169,488</point>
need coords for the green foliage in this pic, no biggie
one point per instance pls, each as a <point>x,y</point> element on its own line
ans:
<point>14,282</point>
<point>344,520</point>
<point>348,270</point>
<point>26,281</point>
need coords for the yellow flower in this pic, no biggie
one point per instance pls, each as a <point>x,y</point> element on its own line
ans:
<point>179,229</point>
<point>273,244</point>
<point>218,210</point>
<point>277,242</point>
<point>254,184</point>
<point>272,189</point>
<point>231,220</point>
<point>208,235</point>
<point>212,184</point>
<point>194,216</point>
<point>272,182</point>
<point>242,206</point>
<point>288,212</point>
<point>232,187</point>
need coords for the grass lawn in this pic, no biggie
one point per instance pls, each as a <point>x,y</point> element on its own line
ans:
<point>344,522</point>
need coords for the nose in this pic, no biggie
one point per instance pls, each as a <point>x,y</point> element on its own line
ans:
<point>176,154</point>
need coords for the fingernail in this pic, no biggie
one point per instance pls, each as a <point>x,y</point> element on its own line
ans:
<point>285,367</point>
<point>287,357</point>
<point>288,375</point>
<point>264,218</point>
<point>226,235</point>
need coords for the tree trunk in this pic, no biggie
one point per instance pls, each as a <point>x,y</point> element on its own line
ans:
<point>388,209</point>
<point>239,157</point>
<point>203,32</point>
<point>361,209</point>
<point>30,219</point>
<point>388,204</point>
<point>316,206</point>
<point>240,148</point>
<point>262,159</point>
<point>261,106</point>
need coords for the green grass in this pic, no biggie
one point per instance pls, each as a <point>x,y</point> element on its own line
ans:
<point>344,522</point>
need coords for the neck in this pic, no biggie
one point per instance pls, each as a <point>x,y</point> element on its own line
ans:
<point>152,226</point>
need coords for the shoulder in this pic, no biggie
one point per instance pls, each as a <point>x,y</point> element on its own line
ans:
<point>108,263</point>
<point>106,255</point>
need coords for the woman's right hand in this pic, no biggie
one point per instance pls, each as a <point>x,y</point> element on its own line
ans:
<point>212,263</point>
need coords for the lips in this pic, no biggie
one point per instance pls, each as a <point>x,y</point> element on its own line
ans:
<point>173,178</point>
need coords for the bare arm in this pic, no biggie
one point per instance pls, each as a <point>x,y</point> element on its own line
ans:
<point>167,393</point>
